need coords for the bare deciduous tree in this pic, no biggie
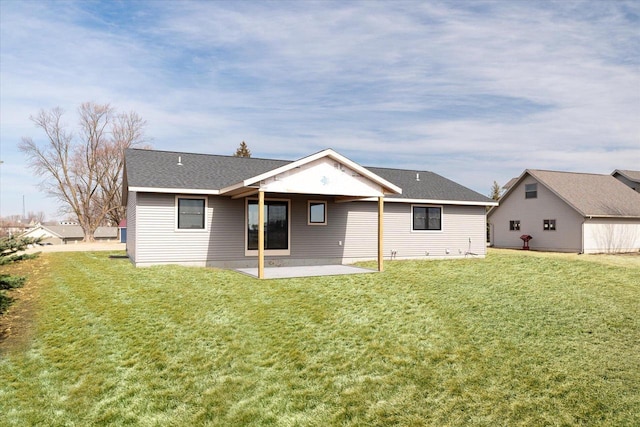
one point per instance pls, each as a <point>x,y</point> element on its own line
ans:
<point>84,172</point>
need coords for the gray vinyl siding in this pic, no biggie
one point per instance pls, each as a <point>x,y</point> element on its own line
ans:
<point>350,234</point>
<point>531,213</point>
<point>463,231</point>
<point>131,225</point>
<point>158,241</point>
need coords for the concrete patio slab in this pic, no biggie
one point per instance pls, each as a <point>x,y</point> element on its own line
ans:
<point>305,271</point>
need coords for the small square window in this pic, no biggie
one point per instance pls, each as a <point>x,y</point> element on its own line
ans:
<point>514,225</point>
<point>531,191</point>
<point>317,213</point>
<point>549,225</point>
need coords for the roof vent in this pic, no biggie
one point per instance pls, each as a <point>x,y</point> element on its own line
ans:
<point>179,160</point>
<point>418,176</point>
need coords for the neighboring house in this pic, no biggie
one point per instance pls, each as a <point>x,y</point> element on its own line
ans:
<point>509,184</point>
<point>628,178</point>
<point>198,209</point>
<point>122,227</point>
<point>65,234</point>
<point>12,229</point>
<point>567,212</point>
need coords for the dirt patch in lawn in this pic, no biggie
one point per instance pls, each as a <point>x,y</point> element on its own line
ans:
<point>16,324</point>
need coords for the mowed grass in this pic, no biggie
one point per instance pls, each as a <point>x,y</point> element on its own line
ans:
<point>512,340</point>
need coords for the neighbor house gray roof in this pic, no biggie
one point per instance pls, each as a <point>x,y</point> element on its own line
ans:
<point>510,183</point>
<point>75,231</point>
<point>148,169</point>
<point>629,174</point>
<point>590,194</point>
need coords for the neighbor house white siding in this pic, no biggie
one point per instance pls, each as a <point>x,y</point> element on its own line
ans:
<point>611,235</point>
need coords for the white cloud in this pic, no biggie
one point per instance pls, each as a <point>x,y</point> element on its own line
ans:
<point>474,91</point>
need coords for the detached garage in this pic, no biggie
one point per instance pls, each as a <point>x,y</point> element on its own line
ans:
<point>567,212</point>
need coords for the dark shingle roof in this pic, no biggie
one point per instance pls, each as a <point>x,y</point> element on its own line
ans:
<point>431,186</point>
<point>160,169</point>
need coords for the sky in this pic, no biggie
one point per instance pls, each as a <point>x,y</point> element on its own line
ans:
<point>476,91</point>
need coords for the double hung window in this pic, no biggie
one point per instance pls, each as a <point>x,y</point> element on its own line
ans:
<point>191,213</point>
<point>531,191</point>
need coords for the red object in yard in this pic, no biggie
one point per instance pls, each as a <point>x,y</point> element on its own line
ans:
<point>525,238</point>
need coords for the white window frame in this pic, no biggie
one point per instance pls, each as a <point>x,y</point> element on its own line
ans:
<point>514,222</point>
<point>527,192</point>
<point>428,206</point>
<point>177,214</point>
<point>316,202</point>
<point>267,252</point>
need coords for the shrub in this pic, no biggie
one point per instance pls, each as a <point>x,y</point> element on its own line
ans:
<point>9,246</point>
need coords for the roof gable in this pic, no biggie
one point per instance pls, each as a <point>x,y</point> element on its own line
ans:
<point>588,194</point>
<point>325,172</point>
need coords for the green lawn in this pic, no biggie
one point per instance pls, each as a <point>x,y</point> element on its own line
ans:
<point>514,339</point>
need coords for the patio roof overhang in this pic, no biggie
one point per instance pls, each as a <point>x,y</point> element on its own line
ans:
<point>323,173</point>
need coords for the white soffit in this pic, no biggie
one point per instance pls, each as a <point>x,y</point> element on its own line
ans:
<point>306,176</point>
<point>322,176</point>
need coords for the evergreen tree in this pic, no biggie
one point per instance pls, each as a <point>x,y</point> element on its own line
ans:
<point>495,191</point>
<point>8,248</point>
<point>243,150</point>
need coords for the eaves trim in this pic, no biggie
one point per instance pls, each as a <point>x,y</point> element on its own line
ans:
<point>434,201</point>
<point>174,190</point>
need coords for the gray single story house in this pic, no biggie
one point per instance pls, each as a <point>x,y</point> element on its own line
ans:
<point>69,234</point>
<point>237,212</point>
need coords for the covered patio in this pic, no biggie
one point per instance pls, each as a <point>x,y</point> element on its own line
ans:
<point>326,173</point>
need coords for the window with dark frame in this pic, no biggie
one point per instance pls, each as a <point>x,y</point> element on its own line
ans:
<point>427,218</point>
<point>531,191</point>
<point>549,225</point>
<point>276,224</point>
<point>514,225</point>
<point>191,213</point>
<point>317,213</point>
